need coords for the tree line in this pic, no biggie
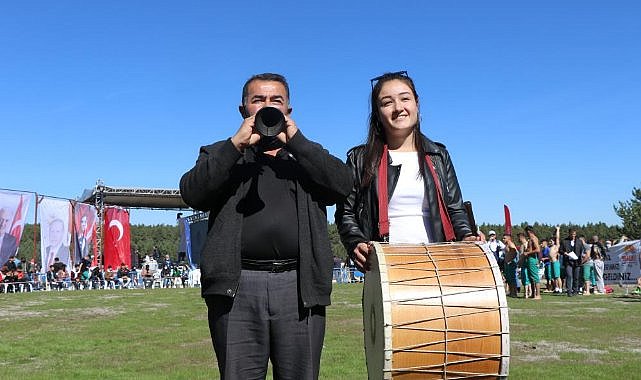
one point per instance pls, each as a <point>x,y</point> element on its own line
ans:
<point>166,238</point>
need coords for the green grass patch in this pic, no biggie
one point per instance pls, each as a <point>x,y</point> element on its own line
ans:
<point>163,334</point>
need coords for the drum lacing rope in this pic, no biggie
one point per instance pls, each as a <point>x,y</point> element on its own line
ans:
<point>477,310</point>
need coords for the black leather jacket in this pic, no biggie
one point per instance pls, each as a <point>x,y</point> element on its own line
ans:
<point>357,217</point>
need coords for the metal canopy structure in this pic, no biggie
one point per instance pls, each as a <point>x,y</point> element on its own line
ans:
<point>129,197</point>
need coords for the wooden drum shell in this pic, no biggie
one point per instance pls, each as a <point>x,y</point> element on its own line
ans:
<point>435,311</point>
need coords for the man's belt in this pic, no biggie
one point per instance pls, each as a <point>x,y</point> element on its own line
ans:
<point>274,266</point>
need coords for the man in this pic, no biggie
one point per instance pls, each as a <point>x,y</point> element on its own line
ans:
<point>545,259</point>
<point>509,270</point>
<point>522,265</point>
<point>58,265</point>
<point>572,249</point>
<point>533,255</point>
<point>586,267</point>
<point>123,276</point>
<point>555,264</point>
<point>497,247</point>
<point>56,247</point>
<point>166,272</point>
<point>267,263</point>
<point>8,243</point>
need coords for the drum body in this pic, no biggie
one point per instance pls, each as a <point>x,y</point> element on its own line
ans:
<point>435,311</point>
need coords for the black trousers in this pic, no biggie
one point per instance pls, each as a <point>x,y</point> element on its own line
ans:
<point>572,278</point>
<point>266,321</point>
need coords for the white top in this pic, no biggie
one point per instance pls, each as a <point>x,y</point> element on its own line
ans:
<point>408,209</point>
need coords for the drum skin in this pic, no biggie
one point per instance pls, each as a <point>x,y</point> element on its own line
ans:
<point>435,311</point>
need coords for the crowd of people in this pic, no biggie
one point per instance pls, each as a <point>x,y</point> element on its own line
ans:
<point>531,265</point>
<point>16,276</point>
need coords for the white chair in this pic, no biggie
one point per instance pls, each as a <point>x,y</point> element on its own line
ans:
<point>194,278</point>
<point>157,280</point>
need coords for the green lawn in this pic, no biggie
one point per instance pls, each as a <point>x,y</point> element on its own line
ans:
<point>163,334</point>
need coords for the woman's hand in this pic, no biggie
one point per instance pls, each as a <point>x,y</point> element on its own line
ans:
<point>361,256</point>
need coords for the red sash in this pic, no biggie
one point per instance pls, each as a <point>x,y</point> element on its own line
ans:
<point>383,216</point>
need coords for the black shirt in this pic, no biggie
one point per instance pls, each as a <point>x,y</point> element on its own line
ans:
<point>270,222</point>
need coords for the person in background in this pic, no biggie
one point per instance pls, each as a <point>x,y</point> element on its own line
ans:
<point>123,274</point>
<point>597,253</point>
<point>545,260</point>
<point>586,265</point>
<point>497,247</point>
<point>522,264</point>
<point>147,276</point>
<point>555,262</point>
<point>533,254</point>
<point>509,268</point>
<point>572,249</point>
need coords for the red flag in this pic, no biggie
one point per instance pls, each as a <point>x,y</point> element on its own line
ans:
<point>16,226</point>
<point>508,220</point>
<point>117,238</point>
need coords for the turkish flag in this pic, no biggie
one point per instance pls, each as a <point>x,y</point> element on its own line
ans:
<point>117,238</point>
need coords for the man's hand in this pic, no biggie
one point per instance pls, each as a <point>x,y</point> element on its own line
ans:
<point>246,135</point>
<point>361,256</point>
<point>290,130</point>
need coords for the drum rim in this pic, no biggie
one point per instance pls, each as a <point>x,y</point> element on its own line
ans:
<point>503,309</point>
<point>387,311</point>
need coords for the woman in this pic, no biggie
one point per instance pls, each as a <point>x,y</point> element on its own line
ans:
<point>423,202</point>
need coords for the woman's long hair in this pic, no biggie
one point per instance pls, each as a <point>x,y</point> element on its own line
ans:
<point>376,135</point>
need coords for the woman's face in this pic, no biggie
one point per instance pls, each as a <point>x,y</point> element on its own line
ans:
<point>397,108</point>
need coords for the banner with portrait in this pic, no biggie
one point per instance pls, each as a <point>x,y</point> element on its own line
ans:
<point>54,217</point>
<point>13,210</point>
<point>85,217</point>
<point>117,234</point>
<point>194,230</point>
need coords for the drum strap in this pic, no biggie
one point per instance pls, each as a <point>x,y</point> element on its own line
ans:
<point>383,216</point>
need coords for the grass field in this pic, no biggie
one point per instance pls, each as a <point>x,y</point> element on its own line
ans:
<point>163,334</point>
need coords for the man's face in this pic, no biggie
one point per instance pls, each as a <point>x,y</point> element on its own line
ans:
<point>4,221</point>
<point>261,93</point>
<point>83,224</point>
<point>56,230</point>
<point>492,237</point>
<point>573,234</point>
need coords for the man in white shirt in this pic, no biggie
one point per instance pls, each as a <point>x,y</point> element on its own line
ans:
<point>497,247</point>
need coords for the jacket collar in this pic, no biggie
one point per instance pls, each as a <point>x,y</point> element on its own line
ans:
<point>430,146</point>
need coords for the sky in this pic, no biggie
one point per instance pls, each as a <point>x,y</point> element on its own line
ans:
<point>538,102</point>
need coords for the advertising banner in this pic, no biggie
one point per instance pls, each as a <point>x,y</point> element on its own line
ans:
<point>623,263</point>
